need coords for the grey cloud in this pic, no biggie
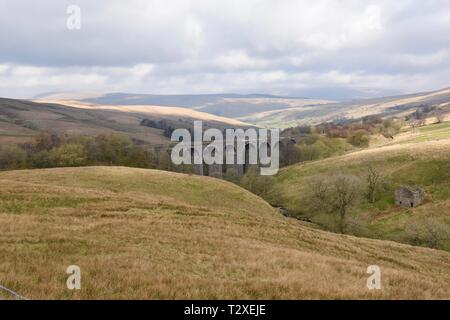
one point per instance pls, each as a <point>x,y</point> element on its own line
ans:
<point>326,47</point>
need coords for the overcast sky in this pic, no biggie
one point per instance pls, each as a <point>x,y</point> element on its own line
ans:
<point>317,48</point>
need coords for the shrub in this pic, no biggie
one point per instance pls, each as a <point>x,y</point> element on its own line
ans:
<point>69,155</point>
<point>256,183</point>
<point>12,157</point>
<point>359,138</point>
<point>428,232</point>
<point>311,152</point>
<point>40,159</point>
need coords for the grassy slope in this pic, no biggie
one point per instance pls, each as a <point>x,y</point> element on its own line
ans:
<point>149,234</point>
<point>420,158</point>
<point>20,120</point>
<point>155,111</point>
<point>314,114</point>
<point>252,107</point>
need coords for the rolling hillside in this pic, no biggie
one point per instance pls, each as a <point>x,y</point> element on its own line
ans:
<point>139,233</point>
<point>270,111</point>
<point>419,158</point>
<point>227,105</point>
<point>385,107</point>
<point>22,119</point>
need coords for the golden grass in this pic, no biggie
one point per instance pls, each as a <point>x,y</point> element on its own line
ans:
<point>150,110</point>
<point>148,234</point>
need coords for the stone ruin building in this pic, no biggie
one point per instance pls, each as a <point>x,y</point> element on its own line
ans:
<point>408,197</point>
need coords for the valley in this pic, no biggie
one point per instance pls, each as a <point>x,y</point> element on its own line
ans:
<point>155,234</point>
<point>198,153</point>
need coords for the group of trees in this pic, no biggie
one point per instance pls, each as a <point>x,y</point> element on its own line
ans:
<point>327,139</point>
<point>340,193</point>
<point>50,150</point>
<point>256,183</point>
<point>424,111</point>
<point>429,232</point>
<point>313,147</point>
<point>337,194</point>
<point>164,125</point>
<point>345,129</point>
<point>358,132</point>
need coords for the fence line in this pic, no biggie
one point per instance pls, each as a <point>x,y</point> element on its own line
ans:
<point>12,293</point>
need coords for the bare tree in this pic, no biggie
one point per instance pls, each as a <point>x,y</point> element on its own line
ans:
<point>320,193</point>
<point>413,124</point>
<point>374,179</point>
<point>429,232</point>
<point>345,193</point>
<point>440,117</point>
<point>334,194</point>
<point>422,122</point>
<point>436,232</point>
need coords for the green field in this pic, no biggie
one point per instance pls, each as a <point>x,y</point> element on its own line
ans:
<point>419,159</point>
<point>432,132</point>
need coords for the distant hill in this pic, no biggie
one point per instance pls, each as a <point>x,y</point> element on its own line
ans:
<point>227,105</point>
<point>268,110</point>
<point>384,107</point>
<point>22,119</point>
<point>147,234</point>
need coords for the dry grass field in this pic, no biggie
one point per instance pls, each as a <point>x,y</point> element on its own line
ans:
<point>150,234</point>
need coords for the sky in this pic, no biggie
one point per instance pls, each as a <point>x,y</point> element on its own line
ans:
<point>320,49</point>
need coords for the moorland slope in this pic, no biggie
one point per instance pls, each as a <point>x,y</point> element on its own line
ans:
<point>139,233</point>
